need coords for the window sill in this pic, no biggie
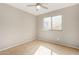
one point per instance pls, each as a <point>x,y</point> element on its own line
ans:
<point>56,30</point>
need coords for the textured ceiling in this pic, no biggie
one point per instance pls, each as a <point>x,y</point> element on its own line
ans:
<point>32,10</point>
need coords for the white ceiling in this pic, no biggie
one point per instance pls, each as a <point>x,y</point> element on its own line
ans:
<point>32,10</point>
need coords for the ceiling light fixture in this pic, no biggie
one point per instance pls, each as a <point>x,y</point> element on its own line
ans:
<point>38,7</point>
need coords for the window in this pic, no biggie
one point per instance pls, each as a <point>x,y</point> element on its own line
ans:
<point>53,23</point>
<point>47,23</point>
<point>57,22</point>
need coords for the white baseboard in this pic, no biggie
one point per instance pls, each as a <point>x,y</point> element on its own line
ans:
<point>63,44</point>
<point>17,44</point>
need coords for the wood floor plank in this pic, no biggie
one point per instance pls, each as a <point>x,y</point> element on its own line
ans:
<point>31,48</point>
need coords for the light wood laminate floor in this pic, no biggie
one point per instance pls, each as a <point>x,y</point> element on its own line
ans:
<point>38,47</point>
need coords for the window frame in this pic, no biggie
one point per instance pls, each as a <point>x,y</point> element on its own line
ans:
<point>52,23</point>
<point>61,24</point>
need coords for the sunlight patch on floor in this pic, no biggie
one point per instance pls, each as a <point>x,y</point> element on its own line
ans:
<point>44,51</point>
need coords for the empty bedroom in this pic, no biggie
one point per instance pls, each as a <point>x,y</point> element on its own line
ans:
<point>39,29</point>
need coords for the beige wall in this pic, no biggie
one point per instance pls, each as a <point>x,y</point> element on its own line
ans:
<point>70,34</point>
<point>15,26</point>
<point>18,26</point>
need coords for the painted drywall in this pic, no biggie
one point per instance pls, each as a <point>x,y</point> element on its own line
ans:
<point>70,34</point>
<point>16,26</point>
